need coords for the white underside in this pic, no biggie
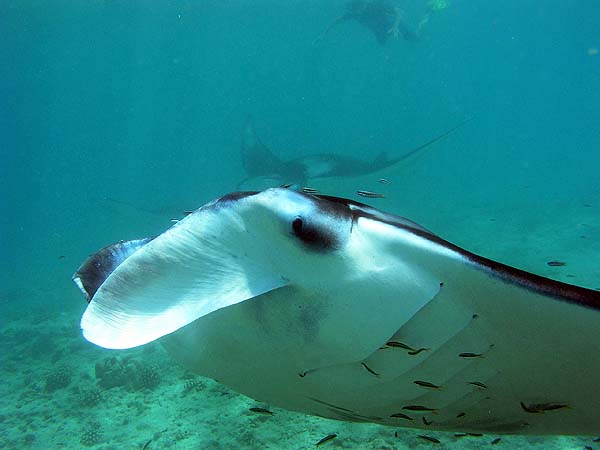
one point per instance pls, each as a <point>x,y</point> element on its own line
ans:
<point>534,349</point>
<point>237,298</point>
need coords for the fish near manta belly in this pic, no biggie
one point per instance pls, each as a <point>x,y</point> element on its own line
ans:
<point>333,308</point>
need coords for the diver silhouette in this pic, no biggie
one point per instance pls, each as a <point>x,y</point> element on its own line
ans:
<point>382,17</point>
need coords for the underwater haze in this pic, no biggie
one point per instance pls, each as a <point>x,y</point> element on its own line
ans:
<point>118,116</point>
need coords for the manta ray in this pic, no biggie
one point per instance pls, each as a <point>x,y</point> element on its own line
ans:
<point>333,308</point>
<point>260,162</point>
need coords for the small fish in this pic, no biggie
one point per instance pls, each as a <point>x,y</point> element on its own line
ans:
<point>147,445</point>
<point>495,441</point>
<point>370,194</point>
<point>261,411</point>
<point>416,352</point>
<point>425,421</point>
<point>460,435</point>
<point>418,408</point>
<point>427,384</point>
<point>556,263</point>
<point>61,257</point>
<point>174,220</point>
<point>369,369</point>
<point>402,416</point>
<point>596,439</point>
<point>286,185</point>
<point>475,434</point>
<point>187,212</point>
<point>429,438</point>
<point>542,407</point>
<point>399,345</point>
<point>470,355</point>
<point>478,384</point>
<point>462,414</point>
<point>327,438</point>
<point>384,181</point>
<point>309,190</point>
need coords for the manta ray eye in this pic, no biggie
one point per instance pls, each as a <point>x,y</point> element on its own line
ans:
<point>297,226</point>
<point>312,235</point>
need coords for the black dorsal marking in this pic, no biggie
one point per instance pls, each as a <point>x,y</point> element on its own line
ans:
<point>92,273</point>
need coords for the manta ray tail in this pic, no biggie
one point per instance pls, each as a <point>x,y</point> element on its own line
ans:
<point>382,161</point>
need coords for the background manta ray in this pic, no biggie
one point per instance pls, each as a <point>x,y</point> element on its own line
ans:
<point>259,161</point>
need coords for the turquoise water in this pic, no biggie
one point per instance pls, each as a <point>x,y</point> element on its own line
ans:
<point>117,116</point>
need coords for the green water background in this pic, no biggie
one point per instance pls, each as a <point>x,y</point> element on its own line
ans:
<point>116,116</point>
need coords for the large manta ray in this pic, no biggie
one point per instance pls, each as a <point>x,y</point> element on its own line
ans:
<point>260,162</point>
<point>330,307</point>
